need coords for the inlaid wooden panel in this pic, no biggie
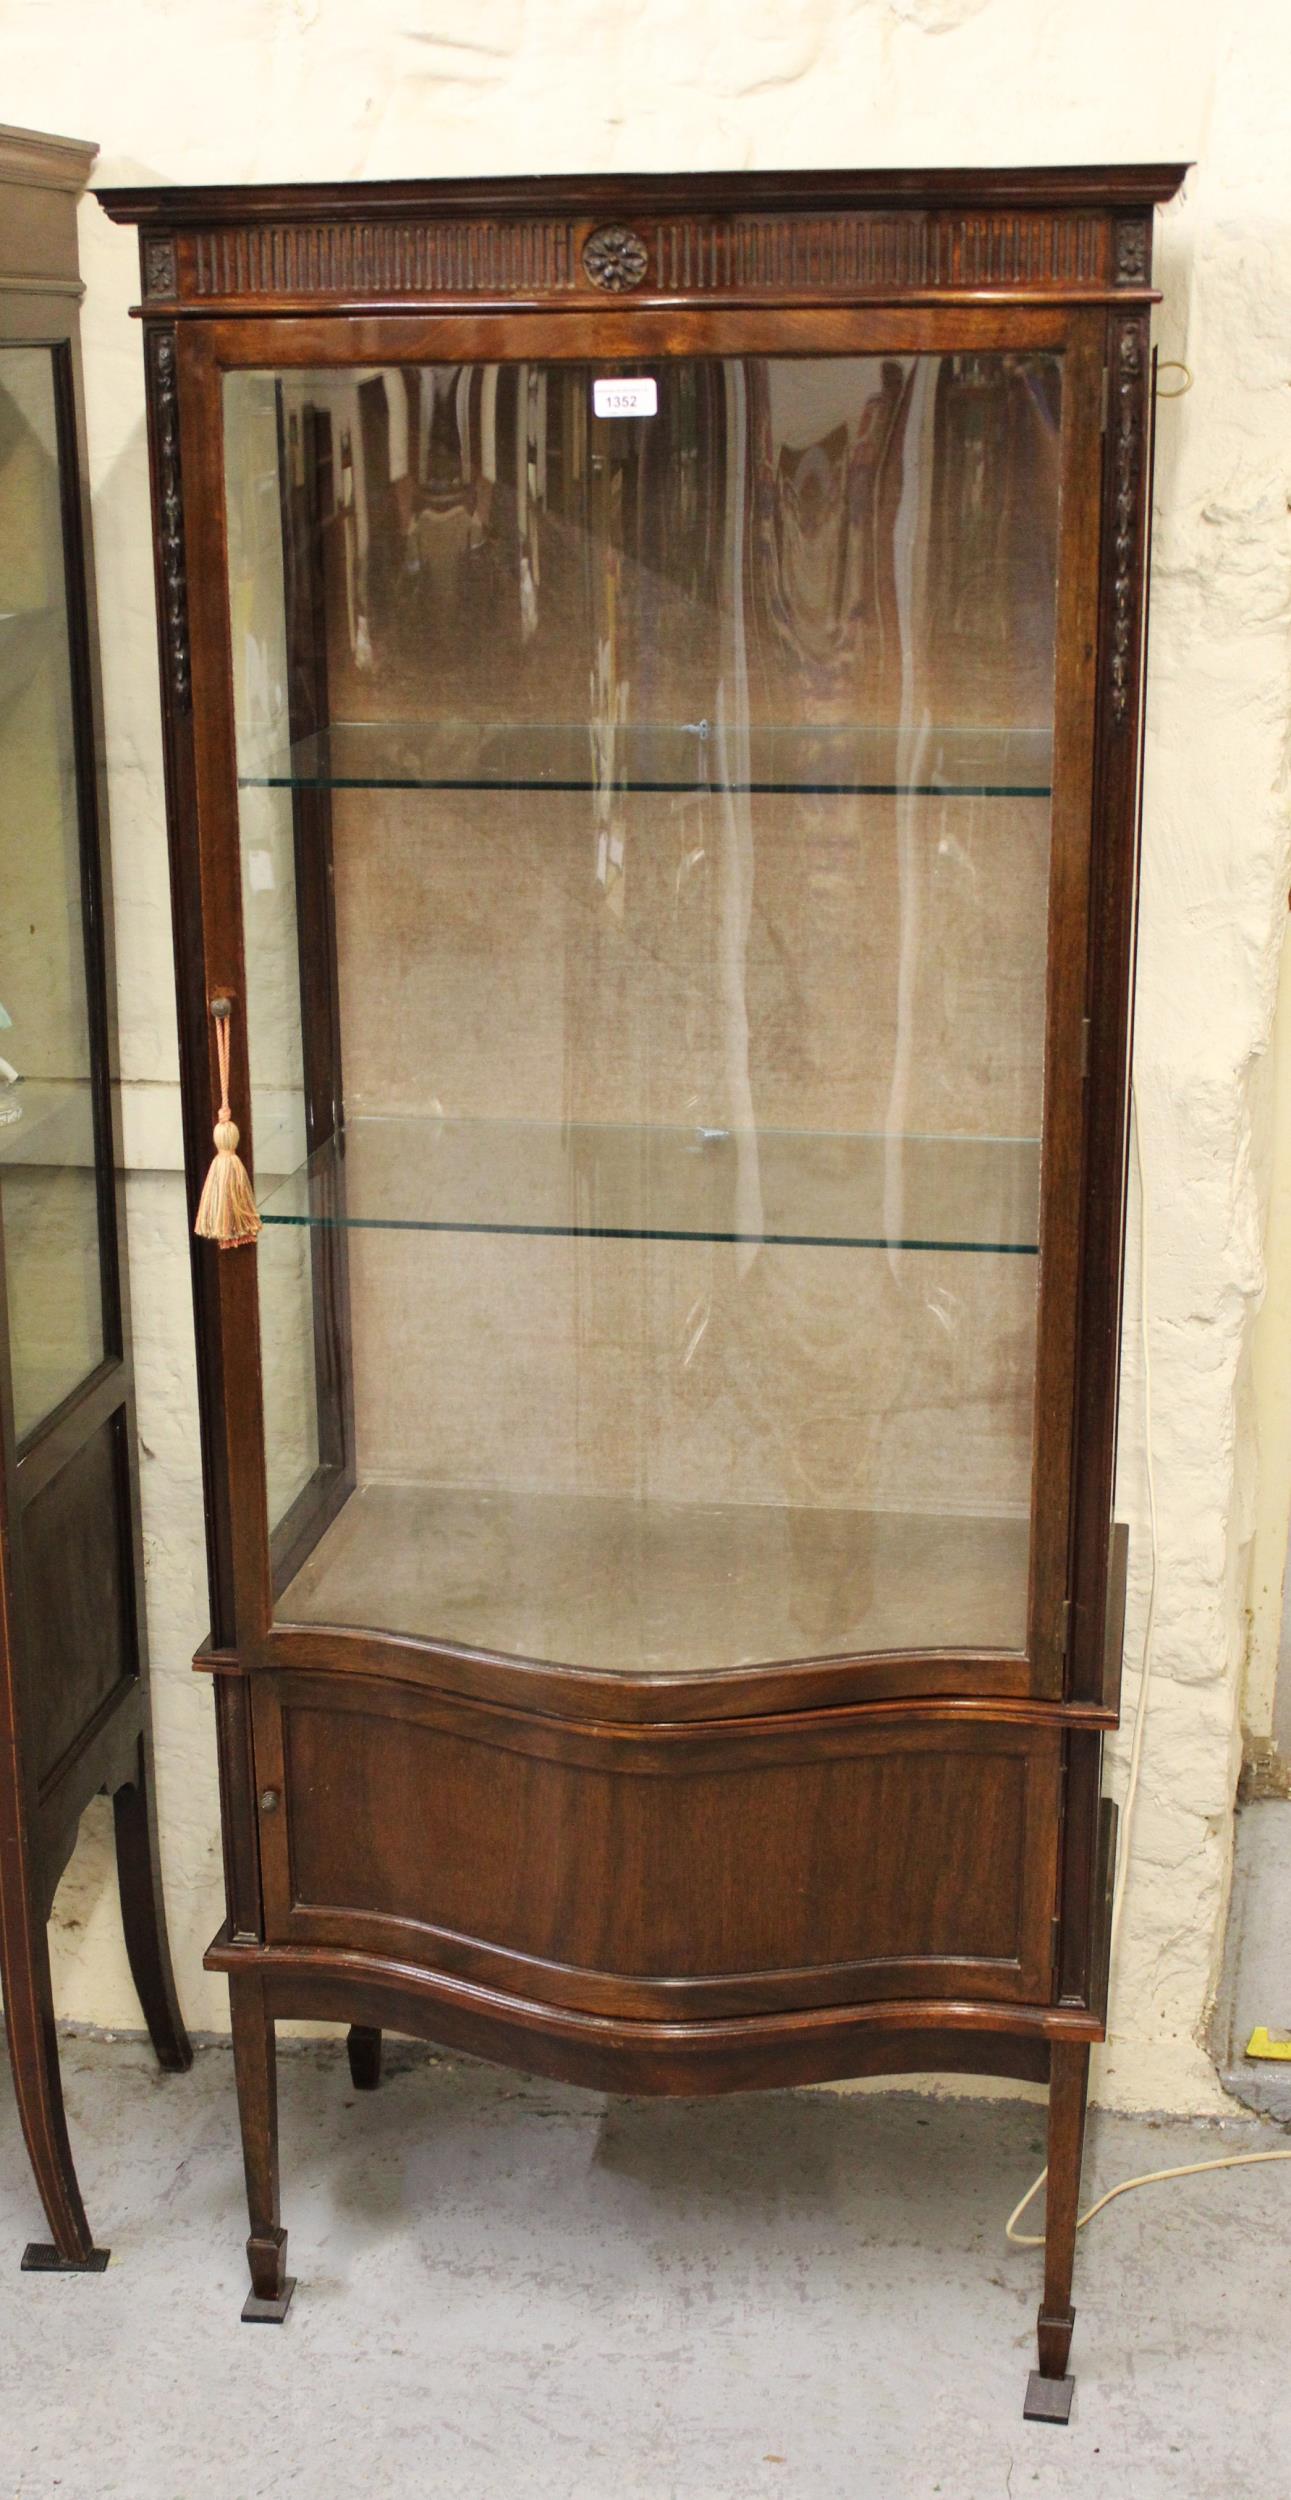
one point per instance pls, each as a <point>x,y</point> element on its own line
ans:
<point>441,256</point>
<point>818,1863</point>
<point>870,252</point>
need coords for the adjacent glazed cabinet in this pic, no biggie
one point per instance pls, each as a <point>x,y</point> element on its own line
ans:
<point>73,1661</point>
<point>652,675</point>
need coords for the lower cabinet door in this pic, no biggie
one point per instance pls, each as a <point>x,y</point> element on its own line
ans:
<point>671,1873</point>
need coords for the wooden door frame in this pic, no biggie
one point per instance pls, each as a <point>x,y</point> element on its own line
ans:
<point>201,352</point>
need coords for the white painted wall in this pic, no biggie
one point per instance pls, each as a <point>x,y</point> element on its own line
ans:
<point>177,92</point>
<point>1266,1698</point>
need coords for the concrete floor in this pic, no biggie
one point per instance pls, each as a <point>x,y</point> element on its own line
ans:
<point>509,2289</point>
<point>1257,1959</point>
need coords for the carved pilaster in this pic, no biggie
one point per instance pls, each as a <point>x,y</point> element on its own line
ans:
<point>1128,423</point>
<point>163,385</point>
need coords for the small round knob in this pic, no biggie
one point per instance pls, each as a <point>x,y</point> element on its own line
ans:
<point>269,1800</point>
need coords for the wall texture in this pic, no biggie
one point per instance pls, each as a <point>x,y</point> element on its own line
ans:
<point>297,88</point>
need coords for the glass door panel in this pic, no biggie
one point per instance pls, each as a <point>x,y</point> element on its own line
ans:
<point>650,1159</point>
<point>49,1180</point>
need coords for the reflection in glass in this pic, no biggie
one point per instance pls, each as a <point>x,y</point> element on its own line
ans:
<point>674,794</point>
<point>49,1211</point>
<point>274,1008</point>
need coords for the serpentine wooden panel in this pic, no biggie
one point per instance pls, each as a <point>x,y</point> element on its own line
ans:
<point>804,1862</point>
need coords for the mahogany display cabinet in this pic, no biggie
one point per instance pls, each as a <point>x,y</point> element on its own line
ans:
<point>73,1661</point>
<point>652,675</point>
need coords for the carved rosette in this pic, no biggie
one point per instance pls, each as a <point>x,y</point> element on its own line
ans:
<point>1127,472</point>
<point>159,274</point>
<point>615,258</point>
<point>174,578</point>
<point>1133,242</point>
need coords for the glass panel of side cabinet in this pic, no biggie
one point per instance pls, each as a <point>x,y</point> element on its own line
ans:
<point>645,830</point>
<point>49,1198</point>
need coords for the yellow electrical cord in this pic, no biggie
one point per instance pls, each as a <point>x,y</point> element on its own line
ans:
<point>1146,2178</point>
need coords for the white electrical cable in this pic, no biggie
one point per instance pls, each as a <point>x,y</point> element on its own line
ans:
<point>1227,2161</point>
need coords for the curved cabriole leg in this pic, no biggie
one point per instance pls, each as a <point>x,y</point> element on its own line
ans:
<point>255,2062</point>
<point>143,1915</point>
<point>38,2083</point>
<point>363,2047</point>
<point>1050,2389</point>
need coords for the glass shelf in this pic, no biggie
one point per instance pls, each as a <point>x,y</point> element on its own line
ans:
<point>668,1184</point>
<point>833,760</point>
